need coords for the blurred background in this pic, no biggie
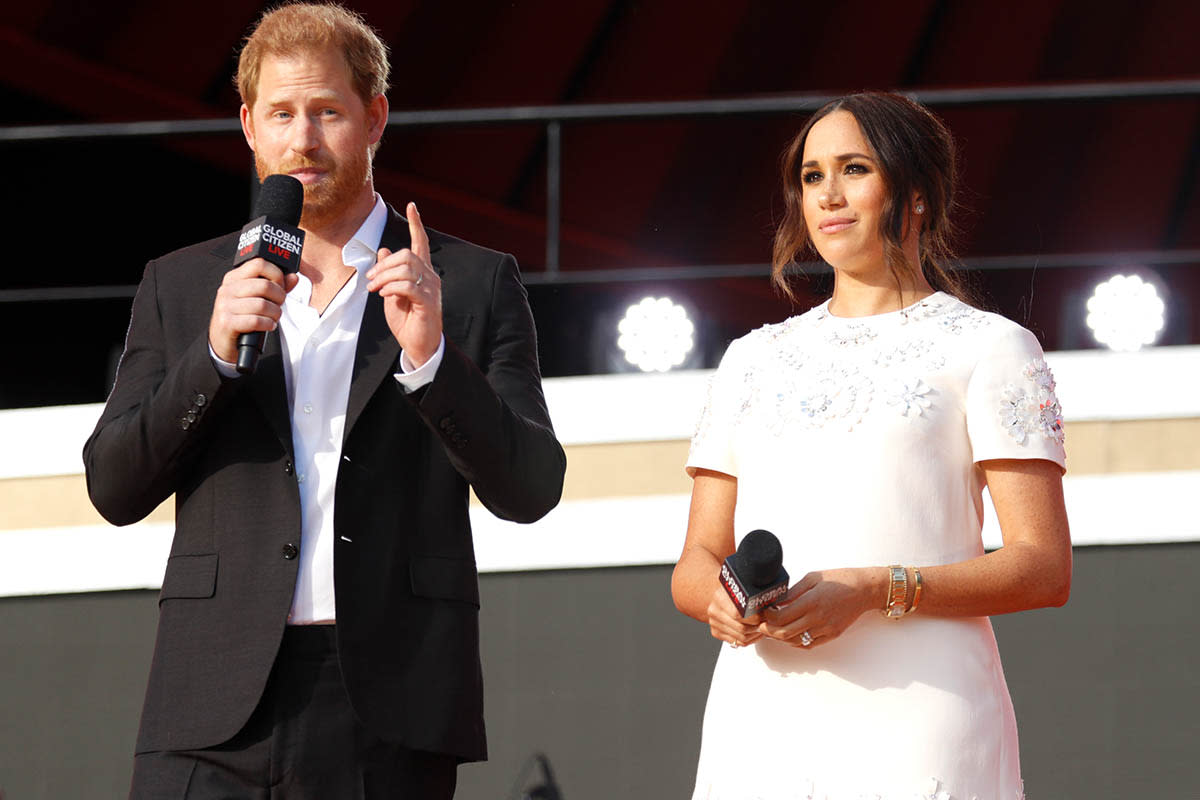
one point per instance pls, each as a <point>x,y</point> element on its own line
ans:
<point>625,149</point>
<point>1078,126</point>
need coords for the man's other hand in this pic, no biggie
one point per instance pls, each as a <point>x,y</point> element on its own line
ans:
<point>411,292</point>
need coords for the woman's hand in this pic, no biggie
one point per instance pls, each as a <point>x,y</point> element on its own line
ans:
<point>823,604</point>
<point>726,624</point>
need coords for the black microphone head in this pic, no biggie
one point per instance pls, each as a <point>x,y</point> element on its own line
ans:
<point>280,197</point>
<point>761,556</point>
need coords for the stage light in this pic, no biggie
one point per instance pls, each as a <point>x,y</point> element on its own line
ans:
<point>656,334</point>
<point>1126,313</point>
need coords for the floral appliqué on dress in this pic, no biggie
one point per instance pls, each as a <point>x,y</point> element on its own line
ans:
<point>910,397</point>
<point>1033,410</point>
<point>787,384</point>
<point>829,394</point>
<point>789,387</point>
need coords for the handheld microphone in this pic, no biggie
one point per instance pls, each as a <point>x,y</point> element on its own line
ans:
<point>272,234</point>
<point>754,576</point>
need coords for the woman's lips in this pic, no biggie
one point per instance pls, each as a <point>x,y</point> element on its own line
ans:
<point>835,225</point>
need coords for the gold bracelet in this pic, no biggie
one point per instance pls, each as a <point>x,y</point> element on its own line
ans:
<point>916,591</point>
<point>895,608</point>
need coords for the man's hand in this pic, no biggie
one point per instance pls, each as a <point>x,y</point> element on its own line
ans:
<point>250,299</point>
<point>411,292</point>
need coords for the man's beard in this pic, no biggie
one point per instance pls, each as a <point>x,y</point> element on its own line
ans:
<point>329,198</point>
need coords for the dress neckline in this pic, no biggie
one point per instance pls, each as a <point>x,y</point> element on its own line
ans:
<point>925,307</point>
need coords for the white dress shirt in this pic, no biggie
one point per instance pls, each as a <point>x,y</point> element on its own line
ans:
<point>318,351</point>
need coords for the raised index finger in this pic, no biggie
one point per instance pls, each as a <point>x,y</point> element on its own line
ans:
<point>416,232</point>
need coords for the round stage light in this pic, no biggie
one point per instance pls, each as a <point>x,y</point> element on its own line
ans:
<point>656,334</point>
<point>1126,313</point>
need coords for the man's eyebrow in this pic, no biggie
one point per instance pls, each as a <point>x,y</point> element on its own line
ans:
<point>320,97</point>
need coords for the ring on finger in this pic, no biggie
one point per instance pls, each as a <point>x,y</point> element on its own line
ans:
<point>806,639</point>
<point>420,277</point>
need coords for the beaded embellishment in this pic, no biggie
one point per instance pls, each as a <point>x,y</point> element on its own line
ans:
<point>790,384</point>
<point>1036,411</point>
<point>855,335</point>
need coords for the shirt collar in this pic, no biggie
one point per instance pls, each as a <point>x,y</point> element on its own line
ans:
<point>360,251</point>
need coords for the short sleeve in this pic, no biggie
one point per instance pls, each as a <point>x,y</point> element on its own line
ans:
<point>713,443</point>
<point>1012,407</point>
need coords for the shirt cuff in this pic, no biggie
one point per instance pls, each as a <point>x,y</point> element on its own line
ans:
<point>225,369</point>
<point>412,377</point>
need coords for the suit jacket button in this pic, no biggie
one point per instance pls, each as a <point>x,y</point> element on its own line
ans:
<point>190,416</point>
<point>288,469</point>
<point>290,551</point>
<point>185,423</point>
<point>201,399</point>
<point>445,424</point>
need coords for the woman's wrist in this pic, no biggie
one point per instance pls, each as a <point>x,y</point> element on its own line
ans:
<point>876,587</point>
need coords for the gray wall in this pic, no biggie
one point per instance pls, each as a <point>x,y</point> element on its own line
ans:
<point>595,669</point>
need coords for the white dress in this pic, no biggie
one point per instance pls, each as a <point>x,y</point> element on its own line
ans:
<point>855,441</point>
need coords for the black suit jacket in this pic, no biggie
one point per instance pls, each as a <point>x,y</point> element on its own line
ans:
<point>406,584</point>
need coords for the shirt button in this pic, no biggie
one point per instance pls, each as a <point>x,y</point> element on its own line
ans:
<point>299,479</point>
<point>287,468</point>
<point>308,408</point>
<point>290,551</point>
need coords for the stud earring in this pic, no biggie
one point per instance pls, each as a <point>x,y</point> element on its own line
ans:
<point>920,208</point>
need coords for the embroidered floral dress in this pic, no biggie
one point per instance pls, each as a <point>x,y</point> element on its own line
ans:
<point>857,442</point>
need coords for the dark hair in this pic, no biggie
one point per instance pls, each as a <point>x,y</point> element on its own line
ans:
<point>916,155</point>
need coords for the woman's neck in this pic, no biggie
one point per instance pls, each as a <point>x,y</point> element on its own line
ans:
<point>855,297</point>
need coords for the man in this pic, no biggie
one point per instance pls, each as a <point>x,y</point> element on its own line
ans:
<point>331,485</point>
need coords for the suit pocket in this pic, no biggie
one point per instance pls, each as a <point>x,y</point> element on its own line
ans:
<point>445,579</point>
<point>189,577</point>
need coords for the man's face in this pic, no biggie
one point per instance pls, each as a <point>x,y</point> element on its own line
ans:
<point>308,122</point>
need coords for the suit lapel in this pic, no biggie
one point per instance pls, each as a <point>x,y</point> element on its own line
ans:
<point>374,359</point>
<point>377,354</point>
<point>269,388</point>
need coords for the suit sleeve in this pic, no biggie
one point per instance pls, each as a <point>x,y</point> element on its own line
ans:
<point>492,417</point>
<point>155,416</point>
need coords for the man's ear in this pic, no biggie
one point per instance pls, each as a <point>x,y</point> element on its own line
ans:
<point>377,116</point>
<point>247,125</point>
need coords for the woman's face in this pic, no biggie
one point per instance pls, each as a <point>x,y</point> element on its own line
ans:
<point>843,195</point>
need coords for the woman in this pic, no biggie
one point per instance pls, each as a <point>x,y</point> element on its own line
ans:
<point>862,434</point>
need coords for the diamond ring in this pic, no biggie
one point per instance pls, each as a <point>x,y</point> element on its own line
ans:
<point>806,639</point>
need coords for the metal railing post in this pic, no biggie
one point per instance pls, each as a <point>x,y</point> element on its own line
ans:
<point>553,193</point>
